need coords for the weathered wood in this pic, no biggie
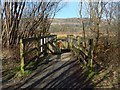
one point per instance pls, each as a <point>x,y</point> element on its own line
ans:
<point>90,53</point>
<point>56,49</point>
<point>29,51</point>
<point>80,54</point>
<point>54,71</point>
<point>43,42</point>
<point>41,47</point>
<point>21,57</point>
<point>70,40</point>
<point>50,50</point>
<point>37,38</point>
<point>78,48</point>
<point>38,48</point>
<point>74,43</point>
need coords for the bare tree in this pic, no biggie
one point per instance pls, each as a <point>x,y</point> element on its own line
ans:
<point>111,16</point>
<point>80,13</point>
<point>1,26</point>
<point>26,19</point>
<point>40,17</point>
<point>12,16</point>
<point>96,12</point>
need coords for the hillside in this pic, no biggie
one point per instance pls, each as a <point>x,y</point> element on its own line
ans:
<point>65,25</point>
<point>68,25</point>
<point>70,21</point>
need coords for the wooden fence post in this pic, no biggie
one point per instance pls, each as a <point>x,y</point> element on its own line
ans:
<point>77,39</point>
<point>68,41</point>
<point>45,46</point>
<point>48,44</point>
<point>79,43</point>
<point>41,43</point>
<point>58,44</point>
<point>38,48</point>
<point>71,41</point>
<point>90,53</point>
<point>21,57</point>
<point>54,43</point>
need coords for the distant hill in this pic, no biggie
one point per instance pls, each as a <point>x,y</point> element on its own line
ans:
<point>67,25</point>
<point>72,25</point>
<point>70,21</point>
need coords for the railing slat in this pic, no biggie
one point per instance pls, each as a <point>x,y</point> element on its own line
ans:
<point>76,44</point>
<point>42,42</point>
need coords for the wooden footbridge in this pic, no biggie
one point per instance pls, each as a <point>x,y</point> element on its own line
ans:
<point>59,63</point>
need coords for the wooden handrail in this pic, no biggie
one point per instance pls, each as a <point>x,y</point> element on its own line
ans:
<point>23,41</point>
<point>75,43</point>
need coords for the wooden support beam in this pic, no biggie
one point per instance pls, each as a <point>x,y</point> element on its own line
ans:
<point>70,40</point>
<point>90,53</point>
<point>45,47</point>
<point>21,57</point>
<point>38,48</point>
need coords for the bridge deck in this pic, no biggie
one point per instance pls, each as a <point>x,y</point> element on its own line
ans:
<point>62,71</point>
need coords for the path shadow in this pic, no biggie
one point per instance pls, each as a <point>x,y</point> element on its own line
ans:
<point>73,77</point>
<point>69,74</point>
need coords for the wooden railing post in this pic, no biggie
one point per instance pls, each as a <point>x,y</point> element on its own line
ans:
<point>38,48</point>
<point>77,39</point>
<point>68,41</point>
<point>21,57</point>
<point>54,43</point>
<point>41,43</point>
<point>45,46</point>
<point>71,41</point>
<point>58,45</point>
<point>48,44</point>
<point>90,53</point>
<point>81,44</point>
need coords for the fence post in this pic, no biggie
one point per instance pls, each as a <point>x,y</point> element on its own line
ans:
<point>79,43</point>
<point>90,53</point>
<point>58,45</point>
<point>41,43</point>
<point>38,47</point>
<point>54,43</point>
<point>71,41</point>
<point>77,38</point>
<point>45,46</point>
<point>48,44</point>
<point>21,57</point>
<point>68,41</point>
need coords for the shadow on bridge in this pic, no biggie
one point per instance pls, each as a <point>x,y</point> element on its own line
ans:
<point>58,74</point>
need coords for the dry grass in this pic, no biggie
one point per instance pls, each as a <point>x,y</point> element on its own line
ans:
<point>61,35</point>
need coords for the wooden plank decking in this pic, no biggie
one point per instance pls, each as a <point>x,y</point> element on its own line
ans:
<point>62,71</point>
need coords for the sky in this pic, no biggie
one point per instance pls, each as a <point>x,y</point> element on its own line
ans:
<point>70,10</point>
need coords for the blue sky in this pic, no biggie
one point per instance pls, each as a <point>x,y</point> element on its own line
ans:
<point>70,10</point>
